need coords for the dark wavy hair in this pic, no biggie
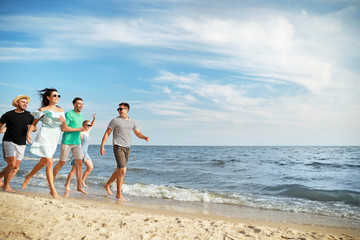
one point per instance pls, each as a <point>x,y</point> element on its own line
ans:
<point>46,92</point>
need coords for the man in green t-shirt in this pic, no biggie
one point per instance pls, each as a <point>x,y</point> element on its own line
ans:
<point>71,141</point>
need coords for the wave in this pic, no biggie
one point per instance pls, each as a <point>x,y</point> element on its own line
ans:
<point>290,198</point>
<point>325,164</point>
<point>300,191</point>
<point>172,192</point>
<point>27,158</point>
<point>35,158</point>
<point>268,202</point>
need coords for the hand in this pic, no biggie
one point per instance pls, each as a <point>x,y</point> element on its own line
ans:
<point>102,151</point>
<point>62,119</point>
<point>2,129</point>
<point>146,139</point>
<point>94,115</point>
<point>82,129</point>
<point>28,138</point>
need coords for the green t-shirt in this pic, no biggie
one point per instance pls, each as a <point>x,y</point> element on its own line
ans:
<point>73,120</point>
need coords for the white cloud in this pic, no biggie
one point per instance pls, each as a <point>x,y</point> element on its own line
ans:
<point>303,48</point>
<point>231,106</point>
<point>300,67</point>
<point>166,76</point>
<point>16,86</point>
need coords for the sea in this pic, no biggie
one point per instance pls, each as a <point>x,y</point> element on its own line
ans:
<point>318,183</point>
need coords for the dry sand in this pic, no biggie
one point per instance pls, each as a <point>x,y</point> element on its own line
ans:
<point>30,216</point>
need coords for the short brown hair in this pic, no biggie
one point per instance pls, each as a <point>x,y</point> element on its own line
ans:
<point>76,99</point>
<point>125,104</point>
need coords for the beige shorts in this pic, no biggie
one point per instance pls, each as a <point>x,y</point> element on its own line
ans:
<point>13,150</point>
<point>65,150</point>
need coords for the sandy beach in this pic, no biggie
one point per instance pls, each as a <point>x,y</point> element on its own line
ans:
<point>35,216</point>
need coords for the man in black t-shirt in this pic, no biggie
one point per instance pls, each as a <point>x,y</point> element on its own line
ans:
<point>14,141</point>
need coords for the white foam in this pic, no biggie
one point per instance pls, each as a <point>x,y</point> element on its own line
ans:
<point>246,200</point>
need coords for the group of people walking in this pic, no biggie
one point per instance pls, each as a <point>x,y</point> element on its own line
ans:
<point>18,125</point>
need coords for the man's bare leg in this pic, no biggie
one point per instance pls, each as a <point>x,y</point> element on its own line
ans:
<point>119,183</point>
<point>78,163</point>
<point>110,181</point>
<point>71,174</point>
<point>2,174</point>
<point>36,168</point>
<point>57,168</point>
<point>11,161</point>
<point>16,169</point>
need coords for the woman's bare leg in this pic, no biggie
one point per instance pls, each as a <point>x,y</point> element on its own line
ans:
<point>36,168</point>
<point>50,177</point>
<point>89,167</point>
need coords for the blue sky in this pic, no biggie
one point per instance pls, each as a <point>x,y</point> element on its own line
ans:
<point>194,72</point>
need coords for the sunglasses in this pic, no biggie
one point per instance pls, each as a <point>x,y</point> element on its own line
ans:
<point>89,125</point>
<point>56,95</point>
<point>120,109</point>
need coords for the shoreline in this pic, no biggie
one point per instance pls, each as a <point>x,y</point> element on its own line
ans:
<point>230,211</point>
<point>37,215</point>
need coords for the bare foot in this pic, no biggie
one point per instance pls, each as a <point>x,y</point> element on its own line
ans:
<point>66,194</point>
<point>84,185</point>
<point>81,190</point>
<point>25,183</point>
<point>67,187</point>
<point>9,189</point>
<point>54,195</point>
<point>121,198</point>
<point>108,189</point>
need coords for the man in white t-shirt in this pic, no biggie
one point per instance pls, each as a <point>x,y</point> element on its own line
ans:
<point>122,127</point>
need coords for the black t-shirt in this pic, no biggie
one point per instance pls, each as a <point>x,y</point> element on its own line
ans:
<point>16,126</point>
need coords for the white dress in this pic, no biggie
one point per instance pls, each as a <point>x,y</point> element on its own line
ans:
<point>47,139</point>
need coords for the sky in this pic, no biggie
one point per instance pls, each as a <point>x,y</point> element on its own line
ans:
<point>239,73</point>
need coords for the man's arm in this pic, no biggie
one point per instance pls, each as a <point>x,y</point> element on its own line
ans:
<point>66,128</point>
<point>2,128</point>
<point>140,135</point>
<point>105,137</point>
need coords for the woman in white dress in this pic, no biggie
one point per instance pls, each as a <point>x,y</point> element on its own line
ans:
<point>46,141</point>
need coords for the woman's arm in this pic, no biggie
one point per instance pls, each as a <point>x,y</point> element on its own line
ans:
<point>31,129</point>
<point>92,122</point>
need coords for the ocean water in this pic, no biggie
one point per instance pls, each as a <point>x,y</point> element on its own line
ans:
<point>322,181</point>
